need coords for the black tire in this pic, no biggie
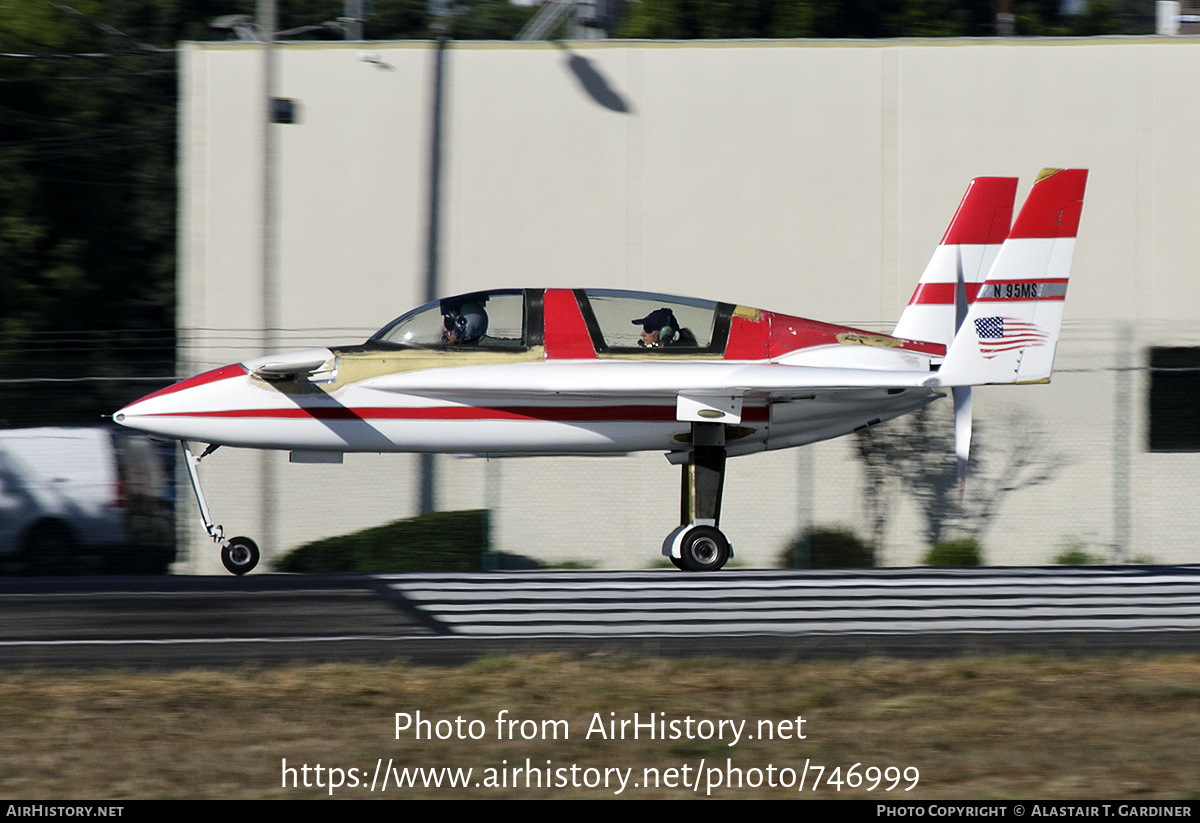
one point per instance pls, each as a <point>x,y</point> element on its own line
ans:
<point>240,555</point>
<point>704,549</point>
<point>677,562</point>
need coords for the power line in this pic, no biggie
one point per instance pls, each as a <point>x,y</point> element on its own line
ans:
<point>107,29</point>
<point>88,77</point>
<point>81,55</point>
<point>123,379</point>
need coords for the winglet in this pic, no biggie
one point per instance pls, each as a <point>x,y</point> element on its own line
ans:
<point>960,262</point>
<point>1011,331</point>
<point>1055,211</point>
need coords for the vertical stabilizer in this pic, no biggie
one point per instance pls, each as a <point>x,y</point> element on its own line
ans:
<point>1011,330</point>
<point>960,262</point>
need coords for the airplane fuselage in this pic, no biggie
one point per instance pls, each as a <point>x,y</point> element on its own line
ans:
<point>557,371</point>
<point>527,407</point>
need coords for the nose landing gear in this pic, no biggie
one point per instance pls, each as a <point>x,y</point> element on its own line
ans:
<point>238,555</point>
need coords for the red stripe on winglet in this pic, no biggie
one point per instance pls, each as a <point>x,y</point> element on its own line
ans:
<point>1053,206</point>
<point>939,294</point>
<point>985,212</point>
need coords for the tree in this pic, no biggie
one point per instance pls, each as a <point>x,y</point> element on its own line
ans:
<point>699,19</point>
<point>88,191</point>
<point>87,156</point>
<point>915,455</point>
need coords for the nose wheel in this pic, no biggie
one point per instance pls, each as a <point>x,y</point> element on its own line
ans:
<point>240,555</point>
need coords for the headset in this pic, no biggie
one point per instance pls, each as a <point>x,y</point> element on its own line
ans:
<point>667,332</point>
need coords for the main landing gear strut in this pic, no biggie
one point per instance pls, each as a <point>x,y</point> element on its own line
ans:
<point>698,545</point>
<point>238,555</point>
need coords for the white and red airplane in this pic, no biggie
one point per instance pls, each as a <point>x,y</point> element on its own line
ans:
<point>600,371</point>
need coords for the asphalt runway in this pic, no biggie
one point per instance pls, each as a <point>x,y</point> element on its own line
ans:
<point>175,622</point>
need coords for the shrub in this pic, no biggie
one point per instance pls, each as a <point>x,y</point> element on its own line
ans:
<point>1075,556</point>
<point>828,548</point>
<point>963,551</point>
<point>442,541</point>
<point>1074,553</point>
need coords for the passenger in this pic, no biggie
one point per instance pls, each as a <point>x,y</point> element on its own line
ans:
<point>661,329</point>
<point>464,325</point>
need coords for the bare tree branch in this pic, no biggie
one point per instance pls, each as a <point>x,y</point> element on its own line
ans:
<point>915,455</point>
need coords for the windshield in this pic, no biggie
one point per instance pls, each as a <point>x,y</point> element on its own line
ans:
<point>486,319</point>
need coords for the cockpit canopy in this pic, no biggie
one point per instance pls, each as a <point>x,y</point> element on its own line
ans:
<point>515,319</point>
<point>612,323</point>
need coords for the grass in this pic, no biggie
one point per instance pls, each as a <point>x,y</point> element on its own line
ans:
<point>978,728</point>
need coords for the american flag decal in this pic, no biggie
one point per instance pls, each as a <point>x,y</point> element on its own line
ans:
<point>1000,334</point>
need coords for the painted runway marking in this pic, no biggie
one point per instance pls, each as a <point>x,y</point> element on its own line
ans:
<point>882,602</point>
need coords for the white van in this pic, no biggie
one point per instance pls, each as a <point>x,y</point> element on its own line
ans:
<point>84,500</point>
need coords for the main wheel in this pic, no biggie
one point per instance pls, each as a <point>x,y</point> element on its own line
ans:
<point>704,549</point>
<point>240,555</point>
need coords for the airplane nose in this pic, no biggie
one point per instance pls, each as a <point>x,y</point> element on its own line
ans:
<point>153,412</point>
<point>128,415</point>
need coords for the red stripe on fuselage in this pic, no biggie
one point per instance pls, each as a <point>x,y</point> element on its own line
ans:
<point>774,335</point>
<point>638,414</point>
<point>223,373</point>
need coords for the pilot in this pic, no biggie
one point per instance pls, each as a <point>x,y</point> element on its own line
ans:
<point>660,329</point>
<point>464,325</point>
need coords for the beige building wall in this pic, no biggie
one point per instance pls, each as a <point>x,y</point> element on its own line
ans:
<point>809,177</point>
